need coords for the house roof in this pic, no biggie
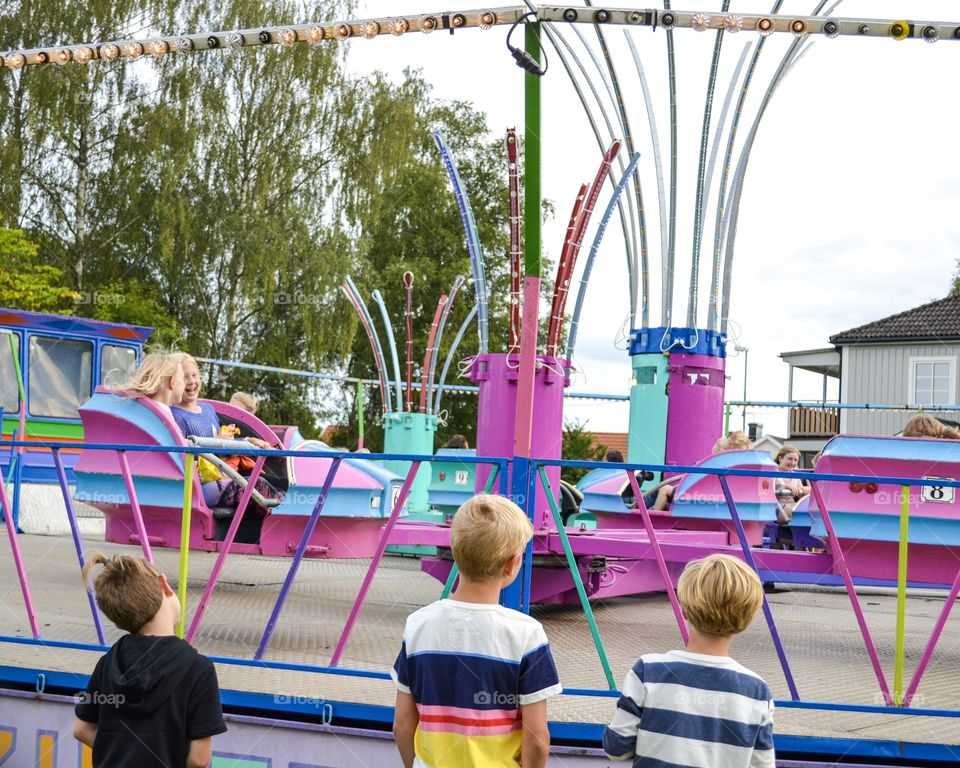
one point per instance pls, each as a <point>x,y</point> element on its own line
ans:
<point>613,440</point>
<point>938,320</point>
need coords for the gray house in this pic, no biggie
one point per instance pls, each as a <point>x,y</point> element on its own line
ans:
<point>907,359</point>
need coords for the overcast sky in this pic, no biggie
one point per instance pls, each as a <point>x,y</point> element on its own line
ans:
<point>851,205</point>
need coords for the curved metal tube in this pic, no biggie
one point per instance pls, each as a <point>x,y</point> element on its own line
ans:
<point>454,289</point>
<point>591,257</point>
<point>408,316</point>
<point>473,239</point>
<point>693,296</point>
<point>730,230</point>
<point>453,349</point>
<point>637,189</point>
<point>715,149</point>
<point>667,311</point>
<point>562,289</point>
<point>428,354</point>
<point>713,310</point>
<point>378,300</point>
<point>350,291</point>
<point>657,159</point>
<point>516,257</point>
<point>626,218</point>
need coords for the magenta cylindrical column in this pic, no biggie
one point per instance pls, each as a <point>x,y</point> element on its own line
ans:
<point>695,411</point>
<point>496,375</point>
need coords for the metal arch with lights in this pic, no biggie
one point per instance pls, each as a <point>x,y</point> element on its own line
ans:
<point>317,33</point>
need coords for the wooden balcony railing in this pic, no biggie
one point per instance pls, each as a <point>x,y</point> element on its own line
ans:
<point>807,421</point>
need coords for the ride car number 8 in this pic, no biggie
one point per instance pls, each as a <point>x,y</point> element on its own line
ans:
<point>942,494</point>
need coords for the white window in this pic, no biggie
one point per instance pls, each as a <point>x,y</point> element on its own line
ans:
<point>932,381</point>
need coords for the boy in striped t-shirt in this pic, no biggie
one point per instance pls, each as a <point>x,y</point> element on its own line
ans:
<point>699,707</point>
<point>473,677</point>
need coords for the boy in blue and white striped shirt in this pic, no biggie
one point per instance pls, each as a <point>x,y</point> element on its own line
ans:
<point>699,707</point>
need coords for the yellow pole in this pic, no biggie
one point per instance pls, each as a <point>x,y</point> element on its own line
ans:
<point>901,594</point>
<point>188,465</point>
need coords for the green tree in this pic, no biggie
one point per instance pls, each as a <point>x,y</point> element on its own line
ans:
<point>27,284</point>
<point>578,445</point>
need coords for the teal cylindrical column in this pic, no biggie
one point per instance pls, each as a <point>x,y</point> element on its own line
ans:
<point>411,433</point>
<point>647,441</point>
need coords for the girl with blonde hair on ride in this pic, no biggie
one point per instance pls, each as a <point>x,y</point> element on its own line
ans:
<point>159,378</point>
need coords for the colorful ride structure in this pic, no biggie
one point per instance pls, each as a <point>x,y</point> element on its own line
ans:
<point>144,498</point>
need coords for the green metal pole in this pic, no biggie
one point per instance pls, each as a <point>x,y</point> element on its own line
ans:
<point>189,461</point>
<point>531,157</point>
<point>901,593</point>
<point>726,420</point>
<point>578,582</point>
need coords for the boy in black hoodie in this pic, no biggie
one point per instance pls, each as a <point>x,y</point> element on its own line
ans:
<point>152,700</point>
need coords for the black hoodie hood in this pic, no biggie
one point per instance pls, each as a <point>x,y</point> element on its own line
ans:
<point>146,669</point>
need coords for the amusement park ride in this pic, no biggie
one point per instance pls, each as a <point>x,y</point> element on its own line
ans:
<point>872,529</point>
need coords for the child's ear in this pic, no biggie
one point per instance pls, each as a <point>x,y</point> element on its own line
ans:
<point>165,585</point>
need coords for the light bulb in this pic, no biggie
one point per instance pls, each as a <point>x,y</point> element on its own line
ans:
<point>400,26</point>
<point>184,45</point>
<point>315,35</point>
<point>133,50</point>
<point>16,60</point>
<point>700,22</point>
<point>428,24</point>
<point>798,27</point>
<point>287,36</point>
<point>733,23</point>
<point>343,31</point>
<point>235,40</point>
<point>159,48</point>
<point>109,52</point>
<point>831,29</point>
<point>765,27</point>
<point>83,55</point>
<point>61,56</point>
<point>486,20</point>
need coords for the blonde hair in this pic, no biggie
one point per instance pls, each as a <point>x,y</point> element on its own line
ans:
<point>128,589</point>
<point>244,400</point>
<point>719,595</point>
<point>786,450</point>
<point>737,439</point>
<point>154,372</point>
<point>925,425</point>
<point>486,532</point>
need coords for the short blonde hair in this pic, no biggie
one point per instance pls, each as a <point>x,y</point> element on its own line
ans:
<point>154,372</point>
<point>719,595</point>
<point>737,439</point>
<point>486,532</point>
<point>244,400</point>
<point>128,589</point>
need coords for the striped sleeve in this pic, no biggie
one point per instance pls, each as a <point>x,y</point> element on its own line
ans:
<point>620,737</point>
<point>399,672</point>
<point>763,753</point>
<point>538,672</point>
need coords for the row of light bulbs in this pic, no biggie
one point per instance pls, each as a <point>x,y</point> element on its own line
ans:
<point>314,34</point>
<point>484,19</point>
<point>764,25</point>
